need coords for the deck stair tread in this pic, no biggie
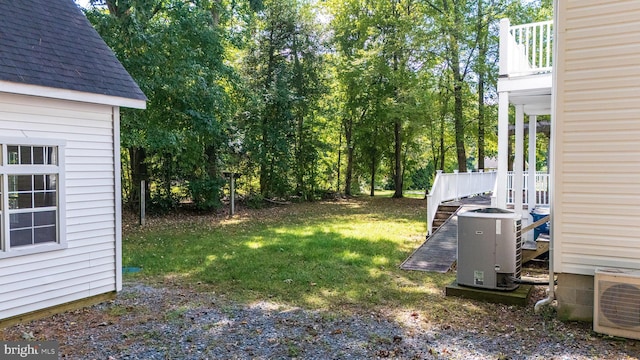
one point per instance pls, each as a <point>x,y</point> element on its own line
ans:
<point>543,237</point>
<point>541,246</point>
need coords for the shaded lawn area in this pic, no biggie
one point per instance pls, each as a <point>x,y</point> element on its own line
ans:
<point>321,255</point>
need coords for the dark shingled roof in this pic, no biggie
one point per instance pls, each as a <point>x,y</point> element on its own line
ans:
<point>51,43</point>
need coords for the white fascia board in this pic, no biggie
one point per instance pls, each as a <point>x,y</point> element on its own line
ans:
<point>530,99</point>
<point>525,83</point>
<point>73,95</point>
<point>537,111</point>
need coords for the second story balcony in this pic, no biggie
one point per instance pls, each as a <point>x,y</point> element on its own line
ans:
<point>525,66</point>
<point>525,49</point>
<point>525,82</point>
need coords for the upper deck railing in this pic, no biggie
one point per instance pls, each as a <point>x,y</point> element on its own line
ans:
<point>541,188</point>
<point>525,49</point>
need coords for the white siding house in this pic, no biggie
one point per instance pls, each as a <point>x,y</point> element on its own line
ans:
<point>596,160</point>
<point>597,127</point>
<point>594,103</point>
<point>61,89</point>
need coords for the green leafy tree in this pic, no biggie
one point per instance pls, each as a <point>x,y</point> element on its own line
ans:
<point>176,55</point>
<point>401,88</point>
<point>378,44</point>
<point>283,68</point>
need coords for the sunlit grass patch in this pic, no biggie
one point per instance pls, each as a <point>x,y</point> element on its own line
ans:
<point>317,255</point>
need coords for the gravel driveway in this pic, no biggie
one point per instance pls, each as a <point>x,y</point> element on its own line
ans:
<point>156,322</point>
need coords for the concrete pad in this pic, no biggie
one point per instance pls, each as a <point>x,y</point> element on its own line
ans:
<point>519,296</point>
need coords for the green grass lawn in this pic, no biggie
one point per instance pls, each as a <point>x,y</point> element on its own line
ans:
<point>317,255</point>
<point>412,194</point>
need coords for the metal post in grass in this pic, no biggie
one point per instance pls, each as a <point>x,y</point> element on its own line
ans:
<point>233,194</point>
<point>232,176</point>
<point>143,198</point>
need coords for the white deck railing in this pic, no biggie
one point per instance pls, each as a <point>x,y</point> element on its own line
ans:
<point>542,188</point>
<point>455,186</point>
<point>526,49</point>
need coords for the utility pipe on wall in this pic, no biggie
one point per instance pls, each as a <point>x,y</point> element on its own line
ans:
<point>552,284</point>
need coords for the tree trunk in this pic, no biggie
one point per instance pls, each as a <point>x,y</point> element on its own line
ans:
<point>454,37</point>
<point>481,152</point>
<point>167,174</point>
<point>299,116</point>
<point>442,148</point>
<point>348,135</point>
<point>265,161</point>
<point>434,149</point>
<point>373,169</point>
<point>215,12</point>
<point>339,160</point>
<point>212,162</point>
<point>139,172</point>
<point>397,134</point>
<point>459,127</point>
<point>443,115</point>
<point>348,132</point>
<point>482,69</point>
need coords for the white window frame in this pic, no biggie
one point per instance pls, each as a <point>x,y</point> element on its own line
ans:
<point>7,170</point>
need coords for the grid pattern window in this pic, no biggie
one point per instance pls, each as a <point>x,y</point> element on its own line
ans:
<point>30,189</point>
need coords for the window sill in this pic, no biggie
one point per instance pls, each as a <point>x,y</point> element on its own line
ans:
<point>31,249</point>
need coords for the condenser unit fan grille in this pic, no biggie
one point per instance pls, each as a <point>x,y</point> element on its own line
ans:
<point>518,230</point>
<point>620,304</point>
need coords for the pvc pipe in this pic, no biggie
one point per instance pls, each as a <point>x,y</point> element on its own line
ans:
<point>552,283</point>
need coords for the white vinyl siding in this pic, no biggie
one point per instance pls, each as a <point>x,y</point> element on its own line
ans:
<point>596,161</point>
<point>87,266</point>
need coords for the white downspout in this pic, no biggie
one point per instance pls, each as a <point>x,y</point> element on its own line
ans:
<point>552,282</point>
<point>552,135</point>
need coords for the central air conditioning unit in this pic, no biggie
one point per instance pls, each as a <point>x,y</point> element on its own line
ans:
<point>616,308</point>
<point>489,249</point>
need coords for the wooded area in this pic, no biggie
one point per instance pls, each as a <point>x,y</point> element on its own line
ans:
<point>303,98</point>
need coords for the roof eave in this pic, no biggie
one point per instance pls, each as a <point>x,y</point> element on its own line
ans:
<point>73,95</point>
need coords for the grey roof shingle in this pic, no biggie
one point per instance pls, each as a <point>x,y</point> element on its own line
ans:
<point>51,43</point>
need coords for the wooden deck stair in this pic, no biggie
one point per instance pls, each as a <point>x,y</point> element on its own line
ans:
<point>444,212</point>
<point>541,247</point>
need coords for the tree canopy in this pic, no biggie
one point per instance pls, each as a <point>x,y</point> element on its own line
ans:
<point>304,98</point>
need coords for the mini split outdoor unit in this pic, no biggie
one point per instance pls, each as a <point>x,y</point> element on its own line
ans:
<point>489,249</point>
<point>616,308</point>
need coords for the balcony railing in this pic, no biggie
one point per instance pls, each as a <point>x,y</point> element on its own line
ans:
<point>541,188</point>
<point>455,186</point>
<point>525,49</point>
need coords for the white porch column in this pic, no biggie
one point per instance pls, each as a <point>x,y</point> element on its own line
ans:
<point>503,150</point>
<point>531,183</point>
<point>518,178</point>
